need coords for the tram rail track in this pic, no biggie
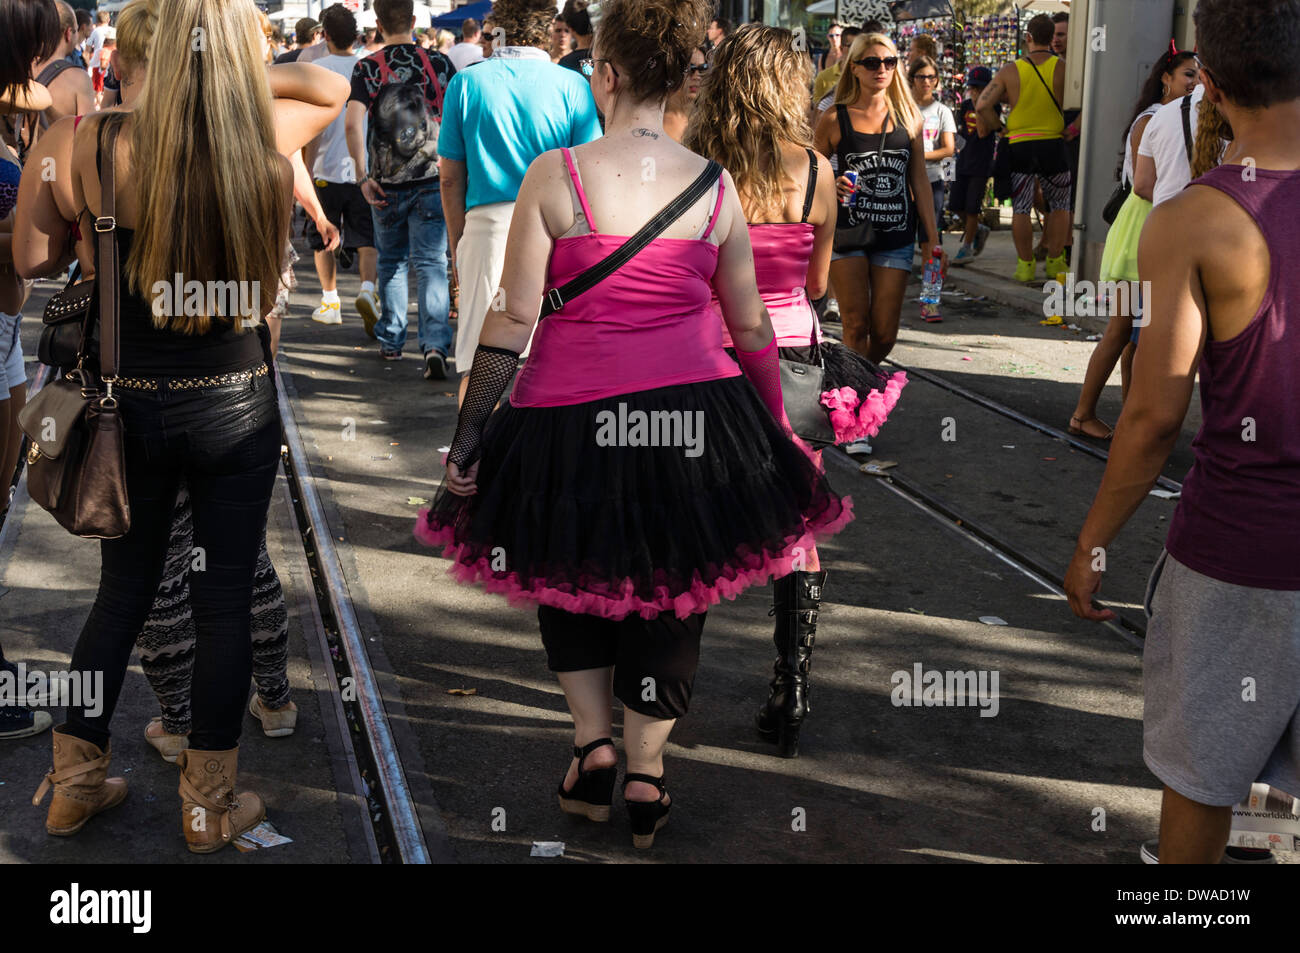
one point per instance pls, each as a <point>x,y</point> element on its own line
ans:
<point>1025,420</point>
<point>1132,630</point>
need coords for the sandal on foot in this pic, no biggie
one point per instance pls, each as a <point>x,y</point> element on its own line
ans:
<point>593,792</point>
<point>646,817</point>
<point>1080,432</point>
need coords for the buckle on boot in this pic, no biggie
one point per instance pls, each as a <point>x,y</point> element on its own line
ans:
<point>815,592</point>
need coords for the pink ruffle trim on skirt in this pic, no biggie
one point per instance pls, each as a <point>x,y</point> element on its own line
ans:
<point>852,419</point>
<point>749,569</point>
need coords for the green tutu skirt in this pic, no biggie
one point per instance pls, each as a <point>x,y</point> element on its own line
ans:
<point>1119,259</point>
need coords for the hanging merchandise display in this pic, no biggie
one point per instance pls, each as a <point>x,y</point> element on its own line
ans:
<point>947,35</point>
<point>992,40</point>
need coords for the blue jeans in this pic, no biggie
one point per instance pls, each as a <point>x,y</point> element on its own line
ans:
<point>410,228</point>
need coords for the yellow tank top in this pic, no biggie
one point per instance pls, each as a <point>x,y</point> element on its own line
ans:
<point>1035,115</point>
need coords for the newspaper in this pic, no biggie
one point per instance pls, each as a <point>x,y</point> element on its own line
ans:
<point>1269,819</point>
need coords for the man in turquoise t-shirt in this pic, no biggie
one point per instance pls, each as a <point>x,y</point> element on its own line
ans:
<point>496,120</point>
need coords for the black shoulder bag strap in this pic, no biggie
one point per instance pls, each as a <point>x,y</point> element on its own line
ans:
<point>1187,125</point>
<point>1045,86</point>
<point>811,187</point>
<point>556,298</point>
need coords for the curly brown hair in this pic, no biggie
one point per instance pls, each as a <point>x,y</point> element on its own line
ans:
<point>1211,132</point>
<point>651,42</point>
<point>753,99</point>
<point>523,22</point>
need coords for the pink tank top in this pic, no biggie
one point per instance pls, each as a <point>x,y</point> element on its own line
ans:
<point>648,325</point>
<point>781,254</point>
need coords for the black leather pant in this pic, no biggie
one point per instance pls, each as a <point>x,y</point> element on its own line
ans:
<point>225,442</point>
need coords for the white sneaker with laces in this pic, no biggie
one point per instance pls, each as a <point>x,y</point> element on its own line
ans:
<point>367,305</point>
<point>328,312</point>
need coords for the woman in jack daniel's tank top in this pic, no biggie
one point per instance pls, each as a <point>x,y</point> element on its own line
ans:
<point>875,131</point>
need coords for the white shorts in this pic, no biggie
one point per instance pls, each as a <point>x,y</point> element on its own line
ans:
<point>12,371</point>
<point>480,258</point>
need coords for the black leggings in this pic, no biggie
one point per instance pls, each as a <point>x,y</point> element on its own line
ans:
<point>225,442</point>
<point>654,660</point>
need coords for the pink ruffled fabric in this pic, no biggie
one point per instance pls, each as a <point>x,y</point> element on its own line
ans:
<point>852,418</point>
<point>749,569</point>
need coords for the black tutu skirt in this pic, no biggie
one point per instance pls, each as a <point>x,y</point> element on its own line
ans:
<point>661,500</point>
<point>859,396</point>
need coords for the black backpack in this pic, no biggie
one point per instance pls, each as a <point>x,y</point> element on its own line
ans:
<point>399,116</point>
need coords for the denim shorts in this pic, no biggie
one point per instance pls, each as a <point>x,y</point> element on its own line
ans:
<point>12,372</point>
<point>900,258</point>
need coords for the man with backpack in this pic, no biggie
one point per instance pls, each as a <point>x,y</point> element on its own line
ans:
<point>69,87</point>
<point>392,122</point>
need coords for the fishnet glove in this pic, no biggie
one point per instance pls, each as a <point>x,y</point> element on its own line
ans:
<point>492,371</point>
<point>764,373</point>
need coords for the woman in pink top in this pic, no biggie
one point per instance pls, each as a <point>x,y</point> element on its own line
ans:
<point>634,478</point>
<point>787,193</point>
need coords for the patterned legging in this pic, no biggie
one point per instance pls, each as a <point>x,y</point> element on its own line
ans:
<point>167,640</point>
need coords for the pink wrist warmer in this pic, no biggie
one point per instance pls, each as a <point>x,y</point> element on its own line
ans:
<point>764,373</point>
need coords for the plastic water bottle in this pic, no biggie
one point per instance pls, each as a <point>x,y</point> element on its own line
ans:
<point>931,286</point>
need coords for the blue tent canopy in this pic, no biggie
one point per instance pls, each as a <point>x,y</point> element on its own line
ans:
<point>453,20</point>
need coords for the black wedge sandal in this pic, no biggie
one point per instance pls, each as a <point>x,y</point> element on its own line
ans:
<point>646,817</point>
<point>593,792</point>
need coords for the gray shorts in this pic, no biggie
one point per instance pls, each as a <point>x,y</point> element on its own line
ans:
<point>1221,679</point>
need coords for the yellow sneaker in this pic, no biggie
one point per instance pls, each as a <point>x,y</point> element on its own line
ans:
<point>1024,270</point>
<point>327,312</point>
<point>1056,267</point>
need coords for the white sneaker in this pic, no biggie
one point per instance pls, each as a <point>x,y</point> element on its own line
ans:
<point>367,305</point>
<point>857,447</point>
<point>328,312</point>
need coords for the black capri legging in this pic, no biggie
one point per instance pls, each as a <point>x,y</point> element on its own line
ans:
<point>654,660</point>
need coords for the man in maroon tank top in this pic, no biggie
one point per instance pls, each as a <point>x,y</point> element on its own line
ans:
<point>1221,665</point>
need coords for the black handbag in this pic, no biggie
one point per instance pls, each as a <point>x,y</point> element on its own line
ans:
<point>802,386</point>
<point>76,460</point>
<point>68,318</point>
<point>1115,202</point>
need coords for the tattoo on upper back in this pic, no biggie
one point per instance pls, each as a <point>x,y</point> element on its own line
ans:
<point>645,132</point>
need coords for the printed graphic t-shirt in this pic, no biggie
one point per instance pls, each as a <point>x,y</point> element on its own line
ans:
<point>882,194</point>
<point>936,119</point>
<point>390,167</point>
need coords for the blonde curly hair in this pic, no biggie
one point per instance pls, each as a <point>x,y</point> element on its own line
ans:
<point>754,98</point>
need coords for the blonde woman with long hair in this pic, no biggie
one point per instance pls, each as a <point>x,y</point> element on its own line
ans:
<point>874,130</point>
<point>194,387</point>
<point>787,191</point>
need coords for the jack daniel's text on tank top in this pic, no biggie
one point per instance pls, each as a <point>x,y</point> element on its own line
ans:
<point>881,193</point>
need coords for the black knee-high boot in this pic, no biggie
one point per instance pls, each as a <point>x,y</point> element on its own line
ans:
<point>796,604</point>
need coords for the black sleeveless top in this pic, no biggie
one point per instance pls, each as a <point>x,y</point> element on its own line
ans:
<point>882,162</point>
<point>147,351</point>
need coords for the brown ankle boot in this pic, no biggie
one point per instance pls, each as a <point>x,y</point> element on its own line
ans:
<point>81,785</point>
<point>212,815</point>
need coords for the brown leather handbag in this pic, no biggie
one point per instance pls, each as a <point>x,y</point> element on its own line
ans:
<point>76,463</point>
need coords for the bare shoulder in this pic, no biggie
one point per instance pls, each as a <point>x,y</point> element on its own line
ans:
<point>828,126</point>
<point>1181,221</point>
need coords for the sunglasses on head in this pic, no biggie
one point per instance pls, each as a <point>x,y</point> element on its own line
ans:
<point>875,62</point>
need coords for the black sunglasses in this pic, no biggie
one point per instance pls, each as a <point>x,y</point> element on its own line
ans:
<point>875,62</point>
<point>697,68</point>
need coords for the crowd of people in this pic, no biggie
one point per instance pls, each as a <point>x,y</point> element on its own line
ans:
<point>605,323</point>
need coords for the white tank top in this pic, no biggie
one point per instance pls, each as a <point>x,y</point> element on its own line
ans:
<point>1128,141</point>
